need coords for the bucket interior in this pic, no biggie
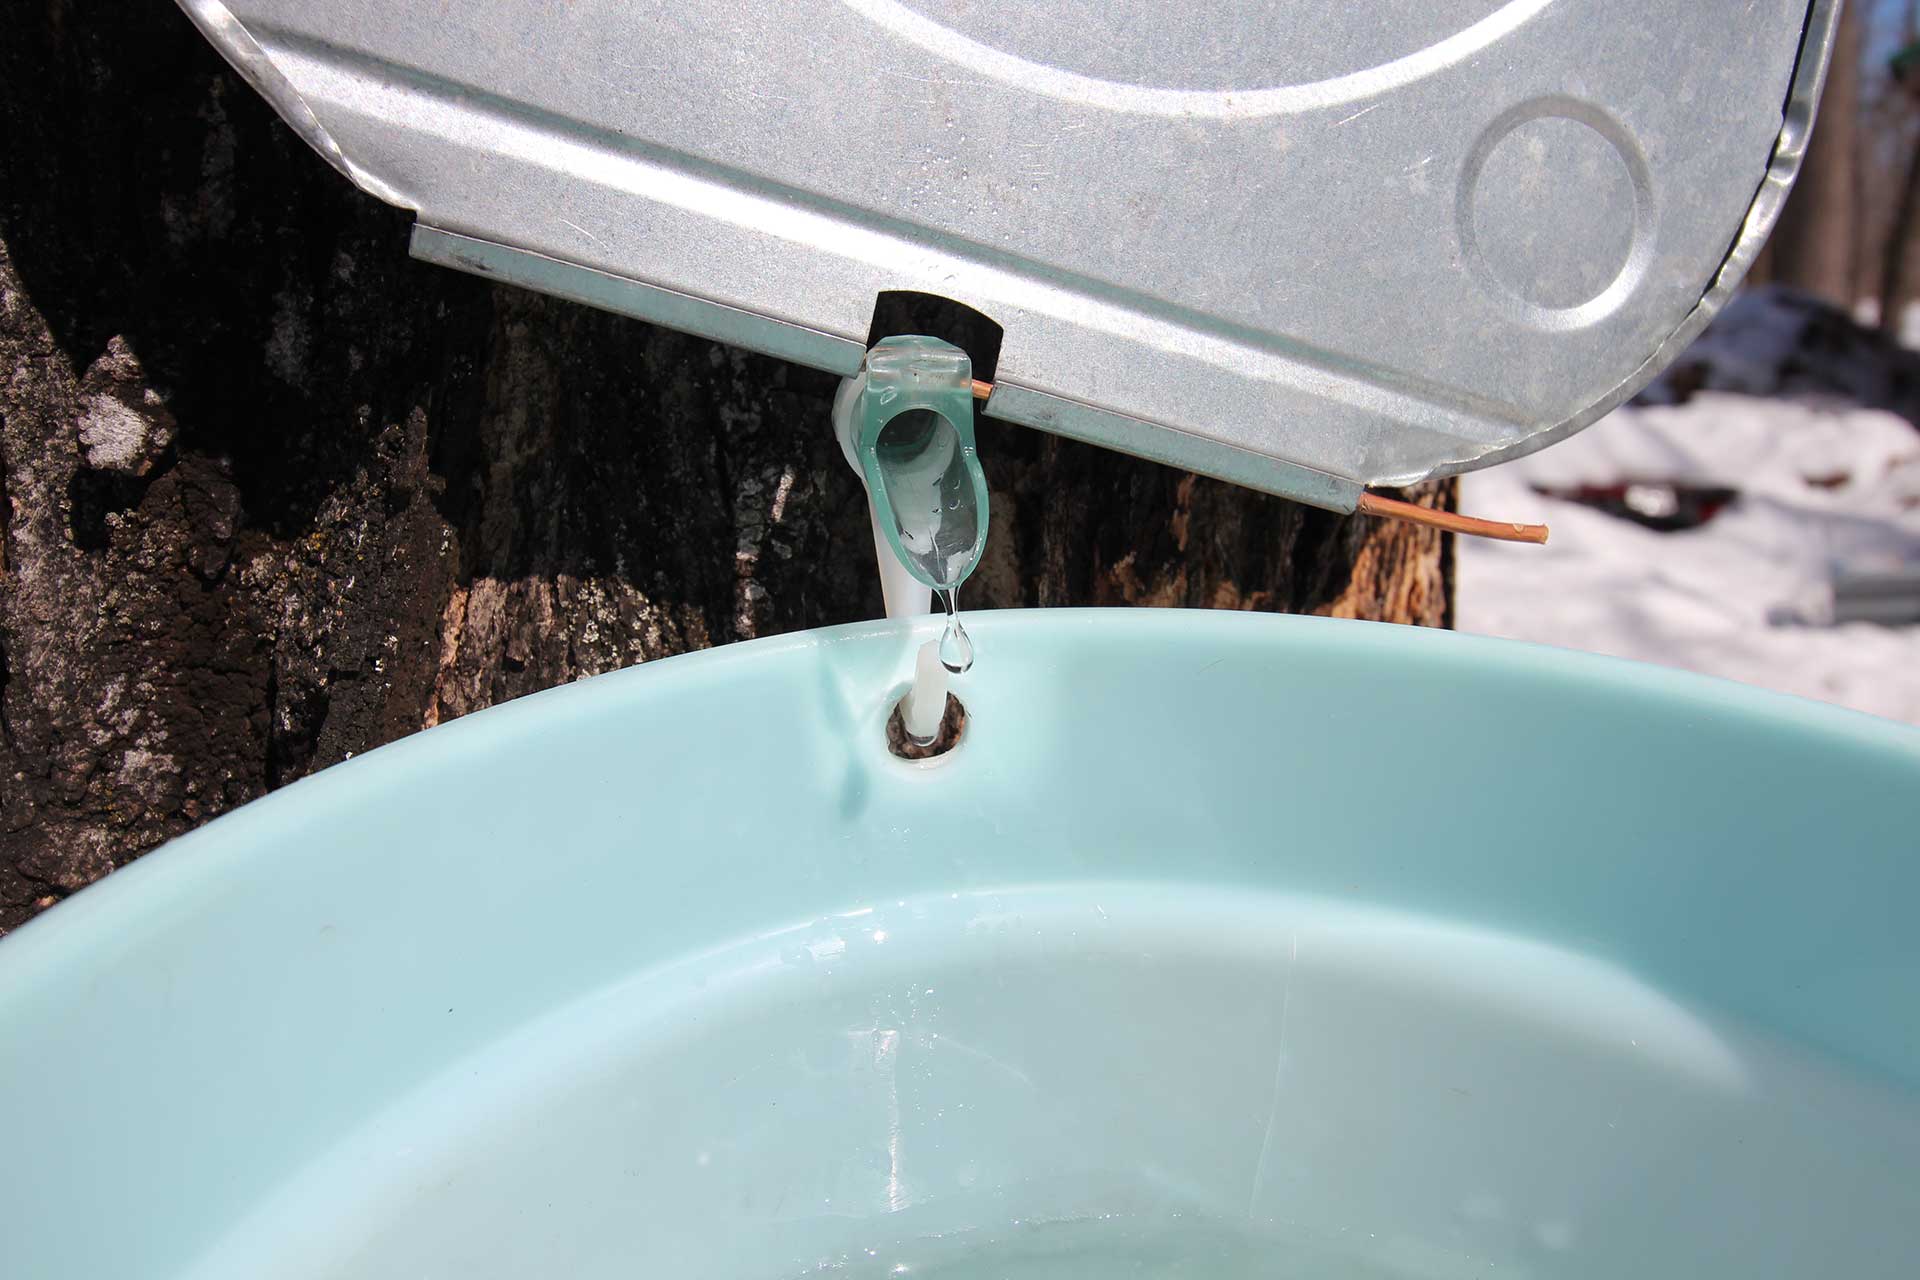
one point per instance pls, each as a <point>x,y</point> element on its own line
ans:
<point>1221,945</point>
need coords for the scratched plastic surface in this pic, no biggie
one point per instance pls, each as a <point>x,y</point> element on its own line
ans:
<point>1181,965</point>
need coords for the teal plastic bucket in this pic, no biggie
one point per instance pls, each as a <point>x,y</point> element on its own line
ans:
<point>1222,945</point>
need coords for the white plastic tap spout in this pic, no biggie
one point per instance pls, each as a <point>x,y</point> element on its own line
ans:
<point>905,595</point>
<point>926,702</point>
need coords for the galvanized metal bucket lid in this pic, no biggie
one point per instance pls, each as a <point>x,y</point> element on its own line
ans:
<point>1307,245</point>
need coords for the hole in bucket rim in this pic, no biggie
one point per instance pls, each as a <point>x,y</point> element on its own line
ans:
<point>897,311</point>
<point>952,726</point>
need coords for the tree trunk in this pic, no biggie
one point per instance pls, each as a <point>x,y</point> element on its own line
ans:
<point>1815,245</point>
<point>277,494</point>
<point>1898,109</point>
<point>1893,270</point>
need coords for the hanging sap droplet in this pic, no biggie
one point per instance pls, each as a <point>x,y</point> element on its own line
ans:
<point>956,647</point>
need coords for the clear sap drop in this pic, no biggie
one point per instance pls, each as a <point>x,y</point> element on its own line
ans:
<point>956,646</point>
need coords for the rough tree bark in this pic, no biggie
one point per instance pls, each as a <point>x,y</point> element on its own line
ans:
<point>275,494</point>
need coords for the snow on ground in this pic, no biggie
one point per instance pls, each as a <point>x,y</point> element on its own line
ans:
<point>1821,481</point>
